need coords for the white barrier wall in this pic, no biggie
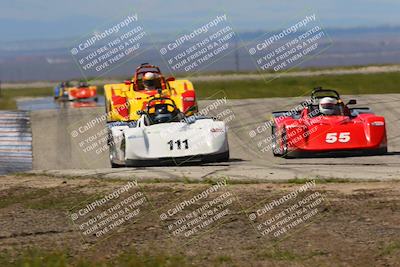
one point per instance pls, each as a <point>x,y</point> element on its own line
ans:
<point>15,141</point>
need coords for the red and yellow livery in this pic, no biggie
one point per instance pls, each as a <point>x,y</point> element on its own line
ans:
<point>124,100</point>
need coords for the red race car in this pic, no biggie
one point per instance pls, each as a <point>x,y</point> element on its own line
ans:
<point>82,92</point>
<point>66,92</point>
<point>324,125</point>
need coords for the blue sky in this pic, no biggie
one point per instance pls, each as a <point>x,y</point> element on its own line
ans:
<point>49,19</point>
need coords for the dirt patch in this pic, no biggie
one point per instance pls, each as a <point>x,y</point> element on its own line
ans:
<point>356,223</point>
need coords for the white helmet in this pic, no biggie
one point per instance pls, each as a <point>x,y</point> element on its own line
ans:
<point>327,105</point>
<point>149,76</point>
<point>149,80</point>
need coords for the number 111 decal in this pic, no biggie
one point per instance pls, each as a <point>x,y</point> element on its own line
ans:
<point>178,144</point>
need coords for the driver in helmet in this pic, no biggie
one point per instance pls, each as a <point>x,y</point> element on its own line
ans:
<point>163,113</point>
<point>329,106</point>
<point>149,81</point>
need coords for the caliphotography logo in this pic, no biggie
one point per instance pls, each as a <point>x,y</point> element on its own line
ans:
<point>211,133</point>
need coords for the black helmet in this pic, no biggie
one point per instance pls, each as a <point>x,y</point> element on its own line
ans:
<point>162,114</point>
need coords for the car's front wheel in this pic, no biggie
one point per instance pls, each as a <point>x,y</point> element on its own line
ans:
<point>276,151</point>
<point>279,143</point>
<point>284,145</point>
<point>113,152</point>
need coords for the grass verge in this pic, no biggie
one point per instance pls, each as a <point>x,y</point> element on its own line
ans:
<point>39,258</point>
<point>8,96</point>
<point>377,83</point>
<point>374,83</point>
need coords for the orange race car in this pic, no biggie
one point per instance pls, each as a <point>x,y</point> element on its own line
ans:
<point>66,92</point>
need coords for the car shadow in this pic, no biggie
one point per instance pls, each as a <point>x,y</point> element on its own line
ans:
<point>345,154</point>
<point>393,153</point>
<point>172,163</point>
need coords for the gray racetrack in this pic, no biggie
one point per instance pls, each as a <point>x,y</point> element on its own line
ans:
<point>58,153</point>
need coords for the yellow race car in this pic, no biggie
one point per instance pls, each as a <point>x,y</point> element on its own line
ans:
<point>124,100</point>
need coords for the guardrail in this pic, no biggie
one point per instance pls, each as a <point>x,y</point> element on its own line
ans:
<point>15,141</point>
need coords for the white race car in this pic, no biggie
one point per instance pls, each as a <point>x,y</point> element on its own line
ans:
<point>163,135</point>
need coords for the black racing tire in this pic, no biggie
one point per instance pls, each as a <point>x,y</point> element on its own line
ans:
<point>114,165</point>
<point>111,148</point>
<point>285,151</point>
<point>383,150</point>
<point>107,105</point>
<point>378,151</point>
<point>275,150</point>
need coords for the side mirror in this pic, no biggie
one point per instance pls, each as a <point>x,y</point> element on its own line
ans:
<point>140,112</point>
<point>128,82</point>
<point>170,79</point>
<point>352,102</point>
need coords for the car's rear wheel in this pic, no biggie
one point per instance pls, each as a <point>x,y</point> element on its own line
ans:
<point>383,150</point>
<point>379,151</point>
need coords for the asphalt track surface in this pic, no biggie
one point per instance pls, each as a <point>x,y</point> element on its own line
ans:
<point>56,152</point>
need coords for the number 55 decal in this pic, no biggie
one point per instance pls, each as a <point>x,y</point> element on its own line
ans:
<point>333,137</point>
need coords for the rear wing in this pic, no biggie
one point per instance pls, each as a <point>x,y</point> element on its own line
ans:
<point>320,92</point>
